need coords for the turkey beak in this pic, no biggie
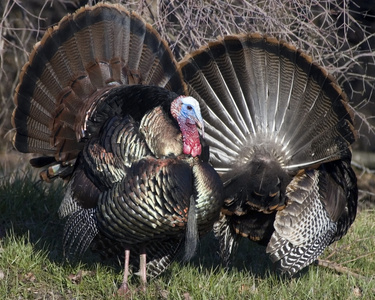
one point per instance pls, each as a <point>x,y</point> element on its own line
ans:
<point>200,123</point>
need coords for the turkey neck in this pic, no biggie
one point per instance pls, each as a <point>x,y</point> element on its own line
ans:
<point>190,136</point>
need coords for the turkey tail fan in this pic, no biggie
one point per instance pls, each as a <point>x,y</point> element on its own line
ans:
<point>85,55</point>
<point>256,90</point>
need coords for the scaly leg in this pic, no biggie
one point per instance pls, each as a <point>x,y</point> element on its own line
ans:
<point>124,288</point>
<point>142,268</point>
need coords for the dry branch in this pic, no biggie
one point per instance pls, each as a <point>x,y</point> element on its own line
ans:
<point>338,268</point>
<point>336,33</point>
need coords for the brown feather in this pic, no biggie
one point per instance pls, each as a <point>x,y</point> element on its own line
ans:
<point>76,61</point>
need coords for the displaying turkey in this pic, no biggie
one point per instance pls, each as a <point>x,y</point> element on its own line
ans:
<point>279,130</point>
<point>96,101</point>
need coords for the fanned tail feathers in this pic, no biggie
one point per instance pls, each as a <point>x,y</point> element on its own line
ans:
<point>269,109</point>
<point>85,55</point>
<point>258,90</point>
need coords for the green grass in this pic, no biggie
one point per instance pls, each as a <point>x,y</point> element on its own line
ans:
<point>32,265</point>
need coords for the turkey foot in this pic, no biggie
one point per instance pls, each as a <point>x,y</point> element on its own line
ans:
<point>124,288</point>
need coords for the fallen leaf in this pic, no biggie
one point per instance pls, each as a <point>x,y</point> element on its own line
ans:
<point>30,277</point>
<point>357,292</point>
<point>76,278</point>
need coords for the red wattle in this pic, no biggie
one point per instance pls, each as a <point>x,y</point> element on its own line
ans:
<point>193,150</point>
<point>192,145</point>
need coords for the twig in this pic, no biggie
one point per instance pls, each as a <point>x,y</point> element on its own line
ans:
<point>338,268</point>
<point>336,250</point>
<point>359,257</point>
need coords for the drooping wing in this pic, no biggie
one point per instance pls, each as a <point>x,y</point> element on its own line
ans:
<point>321,207</point>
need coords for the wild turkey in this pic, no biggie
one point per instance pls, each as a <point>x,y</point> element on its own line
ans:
<point>96,100</point>
<point>279,130</point>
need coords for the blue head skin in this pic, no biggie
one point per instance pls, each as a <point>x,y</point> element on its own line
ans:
<point>186,111</point>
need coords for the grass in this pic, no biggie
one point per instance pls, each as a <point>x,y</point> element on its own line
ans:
<point>31,262</point>
<point>32,265</point>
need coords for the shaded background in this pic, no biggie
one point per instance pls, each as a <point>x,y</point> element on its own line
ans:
<point>337,34</point>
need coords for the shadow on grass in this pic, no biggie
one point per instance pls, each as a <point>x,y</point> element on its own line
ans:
<point>250,257</point>
<point>28,207</point>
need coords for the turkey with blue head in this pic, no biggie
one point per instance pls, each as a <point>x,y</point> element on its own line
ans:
<point>96,100</point>
<point>279,130</point>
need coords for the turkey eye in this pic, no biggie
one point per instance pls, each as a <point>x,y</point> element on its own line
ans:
<point>189,107</point>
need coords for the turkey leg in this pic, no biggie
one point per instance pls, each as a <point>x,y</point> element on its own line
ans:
<point>124,288</point>
<point>142,268</point>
